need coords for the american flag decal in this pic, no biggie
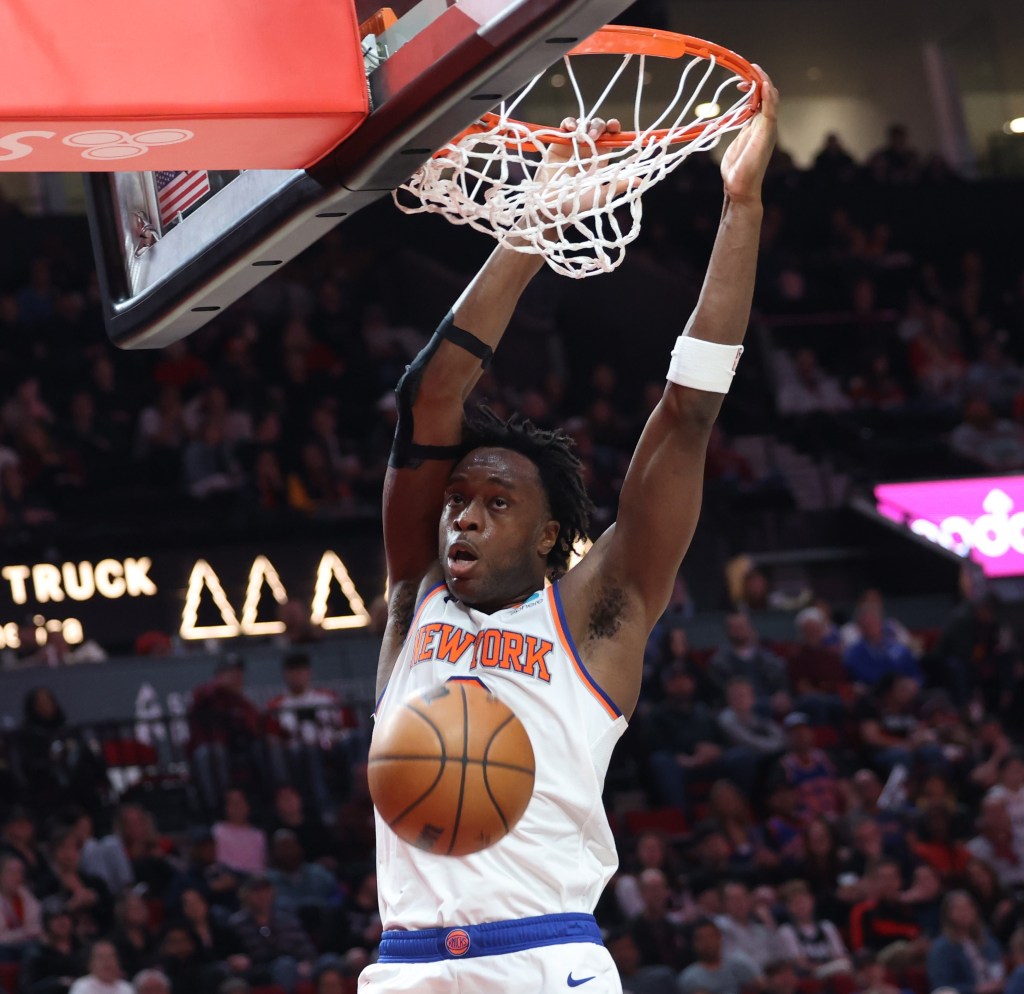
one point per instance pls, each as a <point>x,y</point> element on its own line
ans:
<point>177,191</point>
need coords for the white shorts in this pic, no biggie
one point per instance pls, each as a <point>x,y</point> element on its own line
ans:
<point>515,957</point>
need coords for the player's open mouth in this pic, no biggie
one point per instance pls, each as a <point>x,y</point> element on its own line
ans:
<point>461,560</point>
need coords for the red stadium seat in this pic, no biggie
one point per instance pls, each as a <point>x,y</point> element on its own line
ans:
<point>9,973</point>
<point>670,821</point>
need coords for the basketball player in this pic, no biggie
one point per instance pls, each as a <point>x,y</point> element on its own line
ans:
<point>468,600</point>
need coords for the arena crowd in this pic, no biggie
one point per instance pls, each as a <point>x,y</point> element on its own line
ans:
<point>838,812</point>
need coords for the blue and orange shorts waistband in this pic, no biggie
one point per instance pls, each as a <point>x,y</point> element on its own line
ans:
<point>431,945</point>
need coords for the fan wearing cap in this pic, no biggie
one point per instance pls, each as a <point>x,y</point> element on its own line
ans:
<point>808,771</point>
<point>278,947</point>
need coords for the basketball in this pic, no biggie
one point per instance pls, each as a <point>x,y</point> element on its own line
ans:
<point>451,771</point>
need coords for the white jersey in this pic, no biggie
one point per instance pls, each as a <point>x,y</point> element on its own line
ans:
<point>560,855</point>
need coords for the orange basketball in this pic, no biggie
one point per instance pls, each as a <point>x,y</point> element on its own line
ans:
<point>451,771</point>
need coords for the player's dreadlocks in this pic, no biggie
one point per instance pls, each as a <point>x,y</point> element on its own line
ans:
<point>554,455</point>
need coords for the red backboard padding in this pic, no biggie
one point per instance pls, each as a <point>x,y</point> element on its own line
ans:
<point>184,84</point>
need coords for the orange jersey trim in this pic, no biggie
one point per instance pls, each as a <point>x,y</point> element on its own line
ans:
<point>565,637</point>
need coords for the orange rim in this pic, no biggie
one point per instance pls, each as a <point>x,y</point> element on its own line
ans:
<point>618,39</point>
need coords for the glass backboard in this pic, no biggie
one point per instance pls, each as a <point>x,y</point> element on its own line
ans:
<point>174,248</point>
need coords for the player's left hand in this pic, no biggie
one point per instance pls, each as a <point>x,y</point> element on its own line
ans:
<point>746,159</point>
<point>562,156</point>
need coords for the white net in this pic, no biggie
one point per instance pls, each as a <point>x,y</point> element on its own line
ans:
<point>576,201</point>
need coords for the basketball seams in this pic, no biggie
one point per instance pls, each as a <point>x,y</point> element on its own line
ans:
<point>485,764</point>
<point>414,757</point>
<point>462,778</point>
<point>476,793</point>
<point>442,761</point>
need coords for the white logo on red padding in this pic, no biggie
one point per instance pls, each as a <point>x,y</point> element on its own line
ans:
<point>98,145</point>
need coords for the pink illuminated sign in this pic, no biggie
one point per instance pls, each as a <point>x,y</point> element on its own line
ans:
<point>982,518</point>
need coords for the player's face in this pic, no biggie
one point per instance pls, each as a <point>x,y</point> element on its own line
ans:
<point>496,529</point>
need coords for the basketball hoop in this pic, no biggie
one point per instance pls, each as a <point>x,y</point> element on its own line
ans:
<point>587,207</point>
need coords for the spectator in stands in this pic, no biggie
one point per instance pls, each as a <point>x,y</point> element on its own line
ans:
<point>993,900</point>
<point>185,963</point>
<point>713,972</point>
<point>893,629</point>
<point>1011,789</point>
<point>667,649</point>
<point>309,730</point>
<point>877,653</point>
<point>985,439</point>
<point>833,165</point>
<point>651,852</point>
<point>978,653</point>
<point>816,671</point>
<point>360,923</point>
<point>132,936</point>
<point>965,956</point>
<point>991,745</point>
<point>729,811</point>
<point>289,812</point>
<point>51,965</point>
<point>299,885</point>
<point>203,872</point>
<point>20,917</point>
<point>210,466</point>
<point>1015,980</point>
<point>994,375</point>
<point>896,163</point>
<point>108,858</point>
<point>871,975</point>
<point>151,982</point>
<point>224,729</point>
<point>48,761</point>
<point>17,838</point>
<point>809,771</point>
<point>924,898</point>
<point>883,919</point>
<point>864,801</point>
<point>745,928</point>
<point>780,978</point>
<point>890,729</point>
<point>783,830</point>
<point>85,896</point>
<point>813,945</point>
<point>636,978</point>
<point>996,843</point>
<point>743,655</point>
<point>278,947</point>
<point>683,737</point>
<point>657,930</point>
<point>104,976</point>
<point>216,942</point>
<point>804,389</point>
<point>240,845</point>
<point>867,848</point>
<point>747,732</point>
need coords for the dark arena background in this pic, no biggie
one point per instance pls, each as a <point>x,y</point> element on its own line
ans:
<point>192,579</point>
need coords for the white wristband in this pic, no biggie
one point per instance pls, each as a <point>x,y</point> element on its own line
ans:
<point>703,365</point>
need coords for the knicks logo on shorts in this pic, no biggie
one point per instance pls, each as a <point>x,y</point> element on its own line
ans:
<point>457,942</point>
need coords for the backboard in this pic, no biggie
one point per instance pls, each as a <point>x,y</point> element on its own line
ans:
<point>177,246</point>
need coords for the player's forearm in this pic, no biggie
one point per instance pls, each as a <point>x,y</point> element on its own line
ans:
<point>484,311</point>
<point>723,309</point>
<point>488,303</point>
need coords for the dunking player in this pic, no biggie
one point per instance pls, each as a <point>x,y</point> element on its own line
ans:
<point>468,599</point>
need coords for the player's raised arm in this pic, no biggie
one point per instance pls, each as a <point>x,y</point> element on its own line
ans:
<point>634,564</point>
<point>431,397</point>
<point>434,389</point>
